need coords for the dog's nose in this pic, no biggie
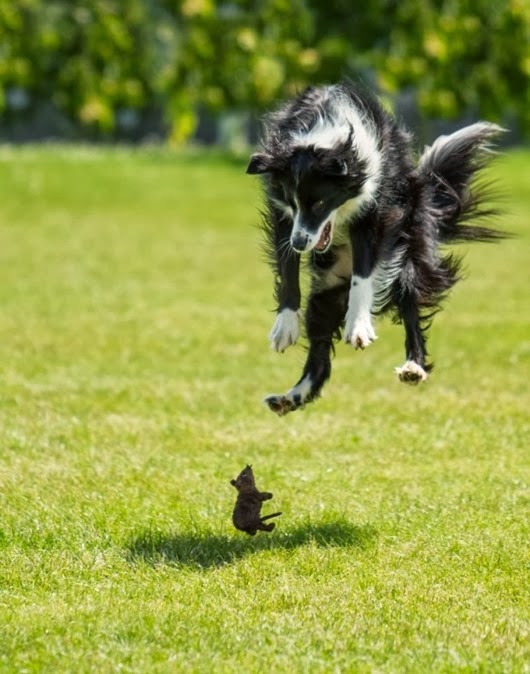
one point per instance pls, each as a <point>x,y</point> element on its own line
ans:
<point>299,241</point>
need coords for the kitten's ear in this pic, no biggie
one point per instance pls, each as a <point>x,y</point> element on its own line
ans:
<point>260,163</point>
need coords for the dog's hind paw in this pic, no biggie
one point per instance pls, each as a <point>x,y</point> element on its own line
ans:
<point>411,373</point>
<point>285,330</point>
<point>280,405</point>
<point>296,398</point>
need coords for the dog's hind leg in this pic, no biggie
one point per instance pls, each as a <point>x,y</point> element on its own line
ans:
<point>415,369</point>
<point>324,315</point>
<point>316,371</point>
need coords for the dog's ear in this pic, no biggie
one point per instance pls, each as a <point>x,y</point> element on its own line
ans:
<point>332,162</point>
<point>260,163</point>
<point>336,168</point>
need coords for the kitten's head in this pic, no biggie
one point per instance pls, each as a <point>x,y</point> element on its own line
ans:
<point>245,480</point>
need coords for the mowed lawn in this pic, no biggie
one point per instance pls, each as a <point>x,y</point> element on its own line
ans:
<point>134,311</point>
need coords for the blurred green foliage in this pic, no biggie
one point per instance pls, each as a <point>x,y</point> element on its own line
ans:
<point>102,61</point>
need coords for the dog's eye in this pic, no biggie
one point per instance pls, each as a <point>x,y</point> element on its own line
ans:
<point>318,204</point>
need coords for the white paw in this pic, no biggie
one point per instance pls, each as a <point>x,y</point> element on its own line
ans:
<point>359,332</point>
<point>285,330</point>
<point>411,373</point>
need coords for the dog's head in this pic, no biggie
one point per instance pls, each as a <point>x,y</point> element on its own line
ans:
<point>317,187</point>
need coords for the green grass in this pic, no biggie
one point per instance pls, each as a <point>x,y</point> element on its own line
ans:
<point>134,310</point>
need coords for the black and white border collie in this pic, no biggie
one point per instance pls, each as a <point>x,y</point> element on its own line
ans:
<point>342,186</point>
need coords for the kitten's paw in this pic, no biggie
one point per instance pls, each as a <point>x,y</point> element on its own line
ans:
<point>411,373</point>
<point>285,330</point>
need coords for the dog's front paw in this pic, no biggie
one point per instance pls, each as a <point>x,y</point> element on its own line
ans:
<point>411,373</point>
<point>359,333</point>
<point>285,330</point>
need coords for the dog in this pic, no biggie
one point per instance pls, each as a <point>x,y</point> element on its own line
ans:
<point>342,186</point>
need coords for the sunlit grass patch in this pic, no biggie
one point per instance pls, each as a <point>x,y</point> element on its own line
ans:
<point>134,313</point>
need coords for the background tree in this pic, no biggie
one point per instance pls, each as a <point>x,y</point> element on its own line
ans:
<point>106,63</point>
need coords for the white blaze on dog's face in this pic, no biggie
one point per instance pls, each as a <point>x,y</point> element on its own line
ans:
<point>335,171</point>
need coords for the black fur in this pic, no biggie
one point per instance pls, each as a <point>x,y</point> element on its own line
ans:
<point>322,150</point>
<point>247,511</point>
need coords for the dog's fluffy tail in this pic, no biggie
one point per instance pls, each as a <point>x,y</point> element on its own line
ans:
<point>453,208</point>
<point>448,169</point>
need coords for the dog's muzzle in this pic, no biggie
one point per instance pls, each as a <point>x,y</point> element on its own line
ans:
<point>302,241</point>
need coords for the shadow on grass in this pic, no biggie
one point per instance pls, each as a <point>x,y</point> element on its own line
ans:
<point>206,550</point>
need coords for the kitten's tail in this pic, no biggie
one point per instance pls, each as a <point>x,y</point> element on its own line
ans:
<point>268,517</point>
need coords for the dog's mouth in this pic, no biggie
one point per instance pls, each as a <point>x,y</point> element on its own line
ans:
<point>325,238</point>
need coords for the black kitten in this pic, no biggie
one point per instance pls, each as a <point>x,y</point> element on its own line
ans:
<point>246,515</point>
